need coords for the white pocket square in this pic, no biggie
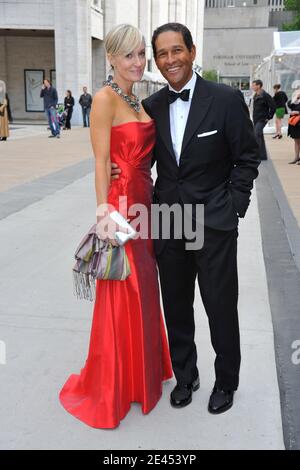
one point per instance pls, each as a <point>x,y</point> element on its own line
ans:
<point>205,134</point>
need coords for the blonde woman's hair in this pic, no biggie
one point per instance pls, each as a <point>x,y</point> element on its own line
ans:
<point>122,39</point>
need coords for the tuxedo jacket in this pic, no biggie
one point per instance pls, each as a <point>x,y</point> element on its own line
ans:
<point>219,156</point>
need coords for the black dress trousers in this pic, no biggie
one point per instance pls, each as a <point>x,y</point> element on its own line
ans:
<point>215,265</point>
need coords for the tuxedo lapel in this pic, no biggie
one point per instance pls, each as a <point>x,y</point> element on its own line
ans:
<point>162,119</point>
<point>200,105</point>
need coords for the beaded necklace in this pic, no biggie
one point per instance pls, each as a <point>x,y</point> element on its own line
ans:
<point>132,102</point>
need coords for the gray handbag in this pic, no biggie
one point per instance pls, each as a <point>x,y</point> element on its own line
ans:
<point>97,259</point>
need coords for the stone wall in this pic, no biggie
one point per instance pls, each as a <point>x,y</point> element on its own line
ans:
<point>68,36</point>
<point>234,52</point>
<point>237,39</point>
<point>20,53</point>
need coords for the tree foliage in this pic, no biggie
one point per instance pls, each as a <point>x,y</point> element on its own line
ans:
<point>211,75</point>
<point>292,5</point>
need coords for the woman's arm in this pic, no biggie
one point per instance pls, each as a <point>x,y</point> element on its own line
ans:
<point>102,114</point>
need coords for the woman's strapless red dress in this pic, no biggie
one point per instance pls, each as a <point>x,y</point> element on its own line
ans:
<point>128,354</point>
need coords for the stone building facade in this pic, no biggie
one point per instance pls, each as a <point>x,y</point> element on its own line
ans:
<point>238,34</point>
<point>63,41</point>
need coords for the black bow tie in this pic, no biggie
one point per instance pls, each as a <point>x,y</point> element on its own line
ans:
<point>172,96</point>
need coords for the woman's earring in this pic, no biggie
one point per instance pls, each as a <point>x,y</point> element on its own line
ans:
<point>110,73</point>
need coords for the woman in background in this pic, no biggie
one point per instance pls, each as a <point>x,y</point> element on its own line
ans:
<point>280,100</point>
<point>69,104</point>
<point>294,131</point>
<point>4,129</point>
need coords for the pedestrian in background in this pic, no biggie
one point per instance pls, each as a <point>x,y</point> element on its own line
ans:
<point>263,110</point>
<point>49,94</point>
<point>280,100</point>
<point>85,102</point>
<point>9,113</point>
<point>294,123</point>
<point>69,105</point>
<point>4,129</point>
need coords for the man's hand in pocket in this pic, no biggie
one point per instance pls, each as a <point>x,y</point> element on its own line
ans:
<point>115,171</point>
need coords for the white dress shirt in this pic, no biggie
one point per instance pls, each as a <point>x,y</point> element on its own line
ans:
<point>179,111</point>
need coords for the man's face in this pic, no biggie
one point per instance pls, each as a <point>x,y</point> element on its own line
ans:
<point>255,87</point>
<point>47,84</point>
<point>84,89</point>
<point>173,59</point>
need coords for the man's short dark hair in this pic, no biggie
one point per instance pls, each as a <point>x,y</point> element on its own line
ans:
<point>258,82</point>
<point>277,86</point>
<point>176,28</point>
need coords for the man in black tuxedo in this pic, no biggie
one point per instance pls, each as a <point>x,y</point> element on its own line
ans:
<point>206,153</point>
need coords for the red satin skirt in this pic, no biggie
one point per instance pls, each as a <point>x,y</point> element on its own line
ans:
<point>128,355</point>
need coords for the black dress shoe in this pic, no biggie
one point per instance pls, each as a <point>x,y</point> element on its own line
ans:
<point>182,394</point>
<point>220,400</point>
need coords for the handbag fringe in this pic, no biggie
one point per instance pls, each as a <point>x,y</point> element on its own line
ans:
<point>84,286</point>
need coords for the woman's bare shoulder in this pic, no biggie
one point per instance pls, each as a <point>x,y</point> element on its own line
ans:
<point>105,96</point>
<point>103,106</point>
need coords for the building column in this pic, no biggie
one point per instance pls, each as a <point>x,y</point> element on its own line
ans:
<point>119,12</point>
<point>199,30</point>
<point>3,60</point>
<point>98,64</point>
<point>145,27</point>
<point>159,16</point>
<point>181,11</point>
<point>73,50</point>
<point>172,11</point>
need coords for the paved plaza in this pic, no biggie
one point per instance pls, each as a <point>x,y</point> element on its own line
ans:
<point>47,202</point>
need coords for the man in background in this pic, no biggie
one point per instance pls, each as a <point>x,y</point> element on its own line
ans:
<point>263,110</point>
<point>49,94</point>
<point>85,102</point>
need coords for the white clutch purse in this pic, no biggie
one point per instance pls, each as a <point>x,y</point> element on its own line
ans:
<point>122,237</point>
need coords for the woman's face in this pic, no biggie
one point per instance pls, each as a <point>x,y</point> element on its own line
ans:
<point>130,67</point>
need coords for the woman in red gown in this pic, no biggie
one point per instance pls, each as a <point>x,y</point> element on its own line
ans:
<point>128,355</point>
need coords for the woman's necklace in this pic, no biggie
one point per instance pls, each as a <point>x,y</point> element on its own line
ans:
<point>133,101</point>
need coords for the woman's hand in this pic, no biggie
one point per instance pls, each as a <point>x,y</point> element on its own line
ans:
<point>106,227</point>
<point>295,113</point>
